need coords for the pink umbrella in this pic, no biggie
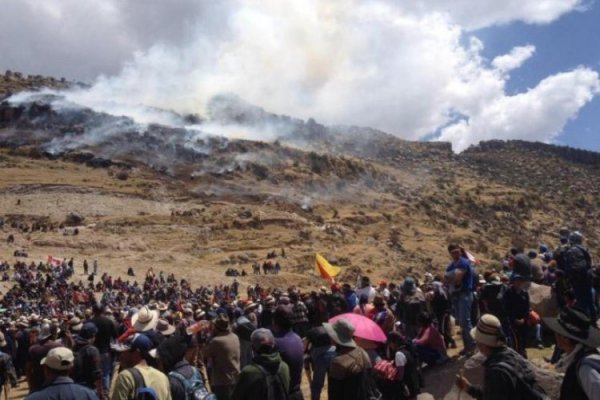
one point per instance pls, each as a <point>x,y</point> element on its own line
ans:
<point>364,327</point>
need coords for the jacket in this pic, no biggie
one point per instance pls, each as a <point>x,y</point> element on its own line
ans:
<point>500,383</point>
<point>252,383</point>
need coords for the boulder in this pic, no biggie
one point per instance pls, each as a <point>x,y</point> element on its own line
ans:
<point>74,219</point>
<point>543,300</point>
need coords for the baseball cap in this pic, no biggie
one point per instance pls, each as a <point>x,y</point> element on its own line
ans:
<point>59,359</point>
<point>139,341</point>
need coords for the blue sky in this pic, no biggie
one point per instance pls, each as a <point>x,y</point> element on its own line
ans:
<point>565,44</point>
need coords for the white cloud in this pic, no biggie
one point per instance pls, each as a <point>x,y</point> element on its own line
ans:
<point>538,114</point>
<point>514,59</point>
<point>398,66</point>
<point>483,13</point>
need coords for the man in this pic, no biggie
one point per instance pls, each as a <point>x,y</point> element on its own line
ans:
<point>7,370</point>
<point>267,377</point>
<point>578,339</point>
<point>107,331</point>
<point>290,347</point>
<point>366,288</point>
<point>349,363</point>
<point>516,303</point>
<point>319,352</point>
<point>57,366</point>
<point>184,379</point>
<point>507,375</point>
<point>88,368</point>
<point>134,357</point>
<point>34,370</point>
<point>223,358</point>
<point>459,275</point>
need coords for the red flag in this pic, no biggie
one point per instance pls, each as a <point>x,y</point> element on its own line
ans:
<point>55,262</point>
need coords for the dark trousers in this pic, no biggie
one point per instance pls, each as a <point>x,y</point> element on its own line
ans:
<point>222,392</point>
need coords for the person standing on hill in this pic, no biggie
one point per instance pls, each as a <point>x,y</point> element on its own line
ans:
<point>459,275</point>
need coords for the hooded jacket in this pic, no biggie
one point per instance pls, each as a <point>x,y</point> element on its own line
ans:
<point>252,383</point>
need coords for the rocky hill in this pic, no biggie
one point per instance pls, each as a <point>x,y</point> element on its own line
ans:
<point>185,200</point>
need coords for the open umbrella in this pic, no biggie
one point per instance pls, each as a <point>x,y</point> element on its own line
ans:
<point>364,327</point>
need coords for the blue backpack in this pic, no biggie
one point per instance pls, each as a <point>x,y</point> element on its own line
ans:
<point>141,391</point>
<point>194,386</point>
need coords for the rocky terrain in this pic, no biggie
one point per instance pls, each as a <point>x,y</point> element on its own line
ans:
<point>184,200</point>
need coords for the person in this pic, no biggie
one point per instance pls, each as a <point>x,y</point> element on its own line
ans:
<point>459,274</point>
<point>348,365</point>
<point>381,314</point>
<point>319,353</point>
<point>507,374</point>
<point>579,340</point>
<point>107,331</point>
<point>185,380</point>
<point>57,366</point>
<point>290,347</point>
<point>88,368</point>
<point>134,356</point>
<point>429,343</point>
<point>516,304</point>
<point>8,375</point>
<point>34,369</point>
<point>223,358</point>
<point>267,377</point>
<point>364,288</point>
<point>401,378</point>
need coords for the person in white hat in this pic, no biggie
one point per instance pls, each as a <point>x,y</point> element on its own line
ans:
<point>507,374</point>
<point>57,367</point>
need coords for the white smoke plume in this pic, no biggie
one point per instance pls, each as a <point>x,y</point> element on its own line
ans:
<point>401,67</point>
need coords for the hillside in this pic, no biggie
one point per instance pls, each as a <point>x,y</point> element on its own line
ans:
<point>187,201</point>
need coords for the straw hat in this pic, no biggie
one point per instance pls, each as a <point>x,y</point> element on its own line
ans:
<point>145,319</point>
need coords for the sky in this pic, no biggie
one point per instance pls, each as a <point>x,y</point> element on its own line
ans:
<point>459,71</point>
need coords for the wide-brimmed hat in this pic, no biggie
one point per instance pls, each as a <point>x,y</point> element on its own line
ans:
<point>341,332</point>
<point>145,319</point>
<point>162,306</point>
<point>165,328</point>
<point>409,286</point>
<point>489,331</point>
<point>574,324</point>
<point>75,324</point>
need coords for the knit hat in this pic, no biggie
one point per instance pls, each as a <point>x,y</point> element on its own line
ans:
<point>488,331</point>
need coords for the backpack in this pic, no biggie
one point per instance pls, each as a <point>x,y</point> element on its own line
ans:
<point>275,388</point>
<point>140,390</point>
<point>368,389</point>
<point>194,386</point>
<point>578,264</point>
<point>413,376</point>
<point>528,390</point>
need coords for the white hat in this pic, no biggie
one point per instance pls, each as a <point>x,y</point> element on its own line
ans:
<point>59,358</point>
<point>489,331</point>
<point>145,319</point>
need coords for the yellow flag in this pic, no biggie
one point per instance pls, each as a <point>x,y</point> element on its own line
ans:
<point>323,268</point>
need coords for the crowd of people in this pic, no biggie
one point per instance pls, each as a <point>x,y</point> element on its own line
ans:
<point>105,337</point>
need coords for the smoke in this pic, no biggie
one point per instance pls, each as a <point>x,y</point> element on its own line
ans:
<point>405,69</point>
